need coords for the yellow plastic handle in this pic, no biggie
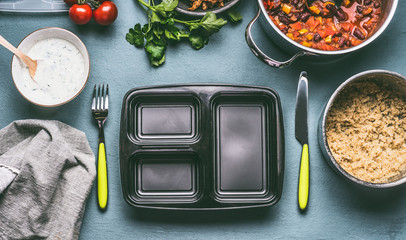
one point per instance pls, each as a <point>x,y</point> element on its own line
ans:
<point>303,193</point>
<point>102,190</point>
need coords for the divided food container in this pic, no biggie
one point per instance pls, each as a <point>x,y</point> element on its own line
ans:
<point>201,147</point>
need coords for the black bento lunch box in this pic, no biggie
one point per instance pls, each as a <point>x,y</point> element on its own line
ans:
<point>201,147</point>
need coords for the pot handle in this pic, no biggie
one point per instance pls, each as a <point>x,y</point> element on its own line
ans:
<point>262,56</point>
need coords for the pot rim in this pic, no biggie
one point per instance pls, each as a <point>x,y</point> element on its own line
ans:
<point>360,76</point>
<point>328,53</point>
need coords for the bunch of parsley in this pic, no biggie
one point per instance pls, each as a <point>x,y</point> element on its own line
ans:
<point>160,29</point>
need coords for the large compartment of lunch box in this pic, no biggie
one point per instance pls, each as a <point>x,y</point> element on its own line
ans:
<point>201,147</point>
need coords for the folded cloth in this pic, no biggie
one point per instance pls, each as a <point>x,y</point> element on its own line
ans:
<point>47,170</point>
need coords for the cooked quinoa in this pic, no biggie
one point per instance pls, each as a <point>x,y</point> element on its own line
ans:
<point>366,132</point>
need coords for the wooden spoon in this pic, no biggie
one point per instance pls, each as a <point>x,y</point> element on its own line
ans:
<point>32,64</point>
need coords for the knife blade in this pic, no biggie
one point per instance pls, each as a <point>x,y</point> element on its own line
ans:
<point>301,133</point>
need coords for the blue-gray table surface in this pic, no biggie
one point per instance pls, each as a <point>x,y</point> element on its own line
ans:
<point>337,208</point>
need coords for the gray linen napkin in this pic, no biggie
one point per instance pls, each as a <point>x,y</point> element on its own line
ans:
<point>47,170</point>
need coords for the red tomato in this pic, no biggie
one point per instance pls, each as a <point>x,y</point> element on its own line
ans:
<point>106,13</point>
<point>70,2</point>
<point>80,14</point>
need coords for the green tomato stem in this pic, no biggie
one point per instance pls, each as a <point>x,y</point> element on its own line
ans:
<point>94,3</point>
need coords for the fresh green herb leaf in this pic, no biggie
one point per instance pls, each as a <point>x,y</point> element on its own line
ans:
<point>155,62</point>
<point>201,31</point>
<point>161,41</point>
<point>155,18</point>
<point>149,36</point>
<point>173,33</point>
<point>166,6</point>
<point>145,28</point>
<point>155,51</point>
<point>211,23</point>
<point>168,21</point>
<point>158,31</point>
<point>169,5</point>
<point>161,28</point>
<point>197,40</point>
<point>135,36</point>
<point>234,15</point>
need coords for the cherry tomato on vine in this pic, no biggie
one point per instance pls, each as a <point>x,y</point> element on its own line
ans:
<point>70,2</point>
<point>80,14</point>
<point>106,13</point>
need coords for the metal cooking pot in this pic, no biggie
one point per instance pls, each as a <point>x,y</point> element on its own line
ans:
<point>298,50</point>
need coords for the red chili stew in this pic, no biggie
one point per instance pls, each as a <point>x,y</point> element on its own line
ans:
<point>323,25</point>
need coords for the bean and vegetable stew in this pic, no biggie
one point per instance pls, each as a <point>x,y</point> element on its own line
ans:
<point>323,25</point>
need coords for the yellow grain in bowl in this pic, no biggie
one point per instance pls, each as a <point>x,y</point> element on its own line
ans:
<point>366,132</point>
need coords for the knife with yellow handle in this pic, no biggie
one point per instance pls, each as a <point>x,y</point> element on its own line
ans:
<point>301,132</point>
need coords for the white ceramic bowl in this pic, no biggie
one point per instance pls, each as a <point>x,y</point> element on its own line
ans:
<point>27,43</point>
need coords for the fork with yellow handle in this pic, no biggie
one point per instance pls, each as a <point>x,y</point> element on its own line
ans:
<point>100,106</point>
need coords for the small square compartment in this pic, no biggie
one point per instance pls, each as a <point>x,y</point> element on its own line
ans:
<point>156,177</point>
<point>166,176</point>
<point>164,118</point>
<point>165,121</point>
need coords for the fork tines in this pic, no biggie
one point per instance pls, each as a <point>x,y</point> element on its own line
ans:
<point>100,101</point>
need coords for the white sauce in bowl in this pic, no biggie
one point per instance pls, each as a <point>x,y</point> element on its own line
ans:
<point>60,72</point>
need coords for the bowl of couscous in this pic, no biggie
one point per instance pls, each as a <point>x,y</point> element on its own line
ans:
<point>362,129</point>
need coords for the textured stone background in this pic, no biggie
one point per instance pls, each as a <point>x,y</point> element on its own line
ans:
<point>337,208</point>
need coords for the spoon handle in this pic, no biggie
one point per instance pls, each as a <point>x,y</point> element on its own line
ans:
<point>27,60</point>
<point>10,47</point>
